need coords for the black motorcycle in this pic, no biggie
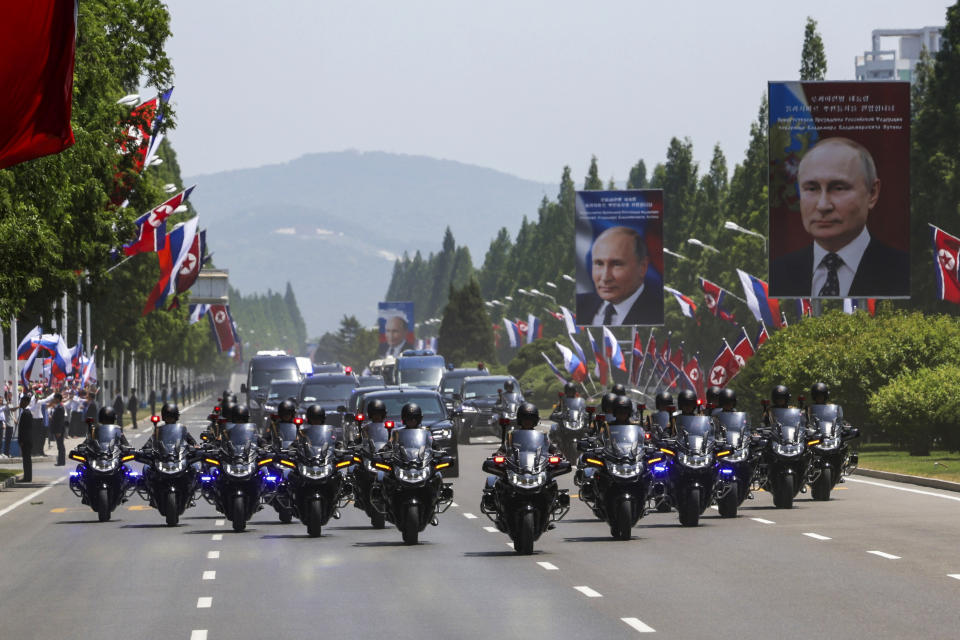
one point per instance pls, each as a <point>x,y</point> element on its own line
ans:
<point>571,425</point>
<point>522,498</point>
<point>234,481</point>
<point>685,474</point>
<point>831,456</point>
<point>283,435</point>
<point>409,490</point>
<point>102,480</point>
<point>737,457</point>
<point>169,476</point>
<point>613,478</point>
<point>314,489</point>
<point>786,457</point>
<point>373,438</point>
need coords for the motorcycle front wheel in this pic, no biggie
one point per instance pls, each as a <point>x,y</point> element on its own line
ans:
<point>689,508</point>
<point>103,504</point>
<point>622,527</point>
<point>170,509</point>
<point>783,492</point>
<point>377,520</point>
<point>727,505</point>
<point>239,519</point>
<point>524,542</point>
<point>314,517</point>
<point>820,489</point>
<point>411,524</point>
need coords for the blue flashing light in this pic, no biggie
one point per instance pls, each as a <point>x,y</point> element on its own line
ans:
<point>726,472</point>
<point>133,474</point>
<point>74,474</point>
<point>206,478</point>
<point>272,478</point>
<point>659,468</point>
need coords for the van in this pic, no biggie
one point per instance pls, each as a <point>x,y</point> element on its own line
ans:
<point>260,373</point>
<point>424,371</point>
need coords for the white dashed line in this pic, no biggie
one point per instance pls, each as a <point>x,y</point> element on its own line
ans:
<point>198,634</point>
<point>213,555</point>
<point>638,625</point>
<point>469,516</point>
<point>510,544</point>
<point>816,536</point>
<point>220,523</point>
<point>216,537</point>
<point>955,576</point>
<point>888,556</point>
<point>205,602</point>
<point>548,566</point>
<point>490,529</point>
<point>454,504</point>
<point>587,591</point>
<point>31,496</point>
<point>209,575</point>
<point>762,521</point>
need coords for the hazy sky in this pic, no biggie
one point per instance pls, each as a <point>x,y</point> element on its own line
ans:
<point>520,86</point>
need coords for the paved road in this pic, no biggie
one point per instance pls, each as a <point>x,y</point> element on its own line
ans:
<point>878,566</point>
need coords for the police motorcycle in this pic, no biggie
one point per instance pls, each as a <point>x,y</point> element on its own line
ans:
<point>409,490</point>
<point>522,497</point>
<point>660,426</point>
<point>508,402</point>
<point>831,458</point>
<point>102,480</point>
<point>571,422</point>
<point>737,459</point>
<point>372,438</point>
<point>685,472</point>
<point>281,434</point>
<point>314,488</point>
<point>786,456</point>
<point>169,479</point>
<point>612,472</point>
<point>234,480</point>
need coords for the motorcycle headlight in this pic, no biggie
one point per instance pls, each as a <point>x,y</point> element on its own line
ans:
<point>626,469</point>
<point>694,461</point>
<point>239,470</point>
<point>738,455</point>
<point>315,472</point>
<point>527,480</point>
<point>172,466</point>
<point>413,474</point>
<point>828,444</point>
<point>104,464</point>
<point>788,450</point>
<point>442,434</point>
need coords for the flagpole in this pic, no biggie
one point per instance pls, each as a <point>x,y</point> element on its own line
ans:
<point>653,368</point>
<point>118,264</point>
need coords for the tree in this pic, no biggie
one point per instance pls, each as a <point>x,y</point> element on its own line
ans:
<point>638,176</point>
<point>813,59</point>
<point>593,182</point>
<point>466,332</point>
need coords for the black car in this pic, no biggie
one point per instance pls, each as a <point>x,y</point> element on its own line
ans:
<point>356,405</point>
<point>329,390</point>
<point>435,417</point>
<point>479,407</point>
<point>277,393</point>
<point>261,373</point>
<point>452,381</point>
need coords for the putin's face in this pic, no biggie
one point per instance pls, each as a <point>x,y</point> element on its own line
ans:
<point>395,331</point>
<point>617,270</point>
<point>835,198</point>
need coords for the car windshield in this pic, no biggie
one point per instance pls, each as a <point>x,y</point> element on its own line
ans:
<point>482,388</point>
<point>283,390</point>
<point>370,381</point>
<point>331,391</point>
<point>420,377</point>
<point>260,379</point>
<point>431,405</point>
<point>452,382</point>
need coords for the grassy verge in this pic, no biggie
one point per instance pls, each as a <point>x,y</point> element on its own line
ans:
<point>6,473</point>
<point>942,465</point>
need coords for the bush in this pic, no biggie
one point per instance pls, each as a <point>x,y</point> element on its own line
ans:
<point>919,407</point>
<point>544,385</point>
<point>528,356</point>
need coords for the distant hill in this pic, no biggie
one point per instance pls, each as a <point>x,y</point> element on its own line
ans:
<point>333,223</point>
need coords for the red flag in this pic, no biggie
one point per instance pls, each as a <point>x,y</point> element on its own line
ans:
<point>763,336</point>
<point>222,325</point>
<point>151,229</point>
<point>695,376</point>
<point>637,357</point>
<point>743,350</point>
<point>652,347</point>
<point>872,306</point>
<point>676,359</point>
<point>714,295</point>
<point>37,46</point>
<point>723,367</point>
<point>946,255</point>
<point>192,263</point>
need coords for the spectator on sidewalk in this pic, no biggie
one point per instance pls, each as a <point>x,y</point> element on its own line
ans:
<point>58,427</point>
<point>133,405</point>
<point>25,435</point>
<point>118,405</point>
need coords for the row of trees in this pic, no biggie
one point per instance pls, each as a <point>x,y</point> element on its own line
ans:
<point>269,321</point>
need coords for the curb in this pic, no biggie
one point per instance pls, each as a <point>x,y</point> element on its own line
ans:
<point>933,483</point>
<point>10,482</point>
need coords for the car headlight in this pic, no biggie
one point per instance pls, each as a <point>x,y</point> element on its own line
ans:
<point>625,470</point>
<point>442,434</point>
<point>695,461</point>
<point>413,474</point>
<point>315,472</point>
<point>239,470</point>
<point>104,464</point>
<point>788,450</point>
<point>527,480</point>
<point>172,466</point>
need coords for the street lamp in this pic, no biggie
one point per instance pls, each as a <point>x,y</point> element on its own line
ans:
<point>674,254</point>
<point>510,298</point>
<point>733,226</point>
<point>569,278</point>
<point>550,284</point>
<point>702,245</point>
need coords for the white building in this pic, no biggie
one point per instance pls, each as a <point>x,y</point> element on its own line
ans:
<point>899,63</point>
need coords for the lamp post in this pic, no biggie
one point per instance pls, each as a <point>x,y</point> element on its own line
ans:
<point>569,278</point>
<point>733,226</point>
<point>702,245</point>
<point>674,254</point>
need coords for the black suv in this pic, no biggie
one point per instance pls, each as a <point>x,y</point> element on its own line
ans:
<point>480,406</point>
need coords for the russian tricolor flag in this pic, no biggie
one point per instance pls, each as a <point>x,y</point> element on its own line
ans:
<point>570,320</point>
<point>602,367</point>
<point>687,306</point>
<point>534,328</point>
<point>765,309</point>
<point>612,349</point>
<point>513,332</point>
<point>29,343</point>
<point>574,365</point>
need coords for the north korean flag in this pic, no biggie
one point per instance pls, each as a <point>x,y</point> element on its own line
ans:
<point>151,226</point>
<point>222,325</point>
<point>946,258</point>
<point>715,295</point>
<point>694,376</point>
<point>743,350</point>
<point>192,263</point>
<point>762,335</point>
<point>724,366</point>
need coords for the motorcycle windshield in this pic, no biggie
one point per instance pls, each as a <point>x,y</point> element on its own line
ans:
<point>788,423</point>
<point>241,438</point>
<point>825,418</point>
<point>413,445</point>
<point>695,432</point>
<point>170,438</point>
<point>734,425</point>
<point>661,419</point>
<point>106,437</point>
<point>377,435</point>
<point>574,404</point>
<point>526,445</point>
<point>287,433</point>
<point>317,439</point>
<point>623,440</point>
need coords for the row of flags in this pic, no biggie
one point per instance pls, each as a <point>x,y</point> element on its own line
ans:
<point>59,361</point>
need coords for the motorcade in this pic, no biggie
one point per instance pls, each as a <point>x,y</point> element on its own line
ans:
<point>685,473</point>
<point>102,480</point>
<point>831,455</point>
<point>234,479</point>
<point>261,372</point>
<point>329,390</point>
<point>421,368</point>
<point>737,459</point>
<point>169,477</point>
<point>451,382</point>
<point>572,422</point>
<point>277,392</point>
<point>786,456</point>
<point>479,406</point>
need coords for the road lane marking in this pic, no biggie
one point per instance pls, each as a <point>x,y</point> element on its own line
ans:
<point>198,634</point>
<point>762,521</point>
<point>510,544</point>
<point>213,555</point>
<point>636,624</point>
<point>817,536</point>
<point>956,576</point>
<point>138,507</point>
<point>587,591</point>
<point>31,496</point>
<point>209,575</point>
<point>888,556</point>
<point>469,516</point>
<point>204,602</point>
<point>548,566</point>
<point>908,490</point>
<point>454,504</point>
<point>216,537</point>
<point>219,523</point>
<point>490,529</point>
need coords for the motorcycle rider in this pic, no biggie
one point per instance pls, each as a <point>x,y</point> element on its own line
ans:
<point>618,390</point>
<point>779,399</point>
<point>377,412</point>
<point>664,404</point>
<point>622,410</point>
<point>316,414</point>
<point>170,414</point>
<point>284,428</point>
<point>727,399</point>
<point>508,394</point>
<point>687,403</point>
<point>569,392</point>
<point>713,400</point>
<point>527,418</point>
<point>106,416</point>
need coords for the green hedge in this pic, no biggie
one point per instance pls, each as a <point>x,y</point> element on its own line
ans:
<point>919,408</point>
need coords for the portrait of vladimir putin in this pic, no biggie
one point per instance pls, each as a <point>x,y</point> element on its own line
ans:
<point>623,294</point>
<point>839,188</point>
<point>395,331</point>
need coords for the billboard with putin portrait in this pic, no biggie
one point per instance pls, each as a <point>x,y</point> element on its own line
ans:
<point>619,255</point>
<point>839,189</point>
<point>395,321</point>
